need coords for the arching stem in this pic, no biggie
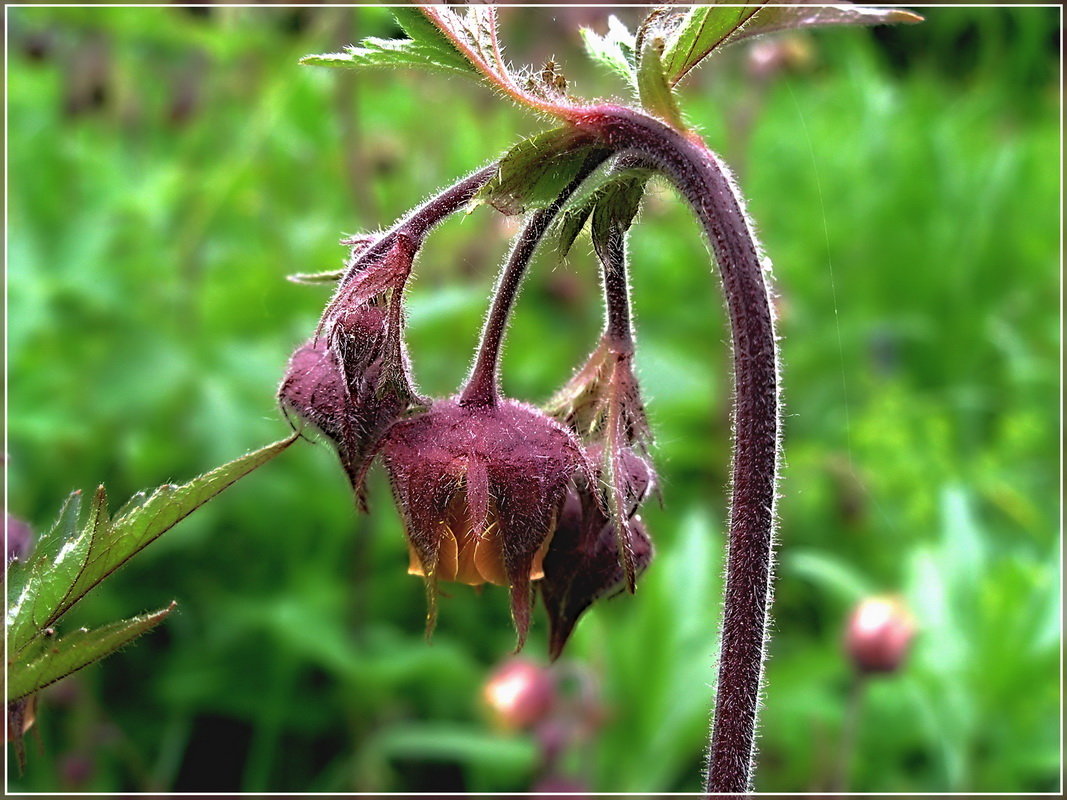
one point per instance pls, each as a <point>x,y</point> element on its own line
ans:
<point>704,183</point>
<point>417,224</point>
<point>482,385</point>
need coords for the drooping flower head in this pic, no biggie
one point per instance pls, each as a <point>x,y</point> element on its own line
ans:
<point>352,380</point>
<point>602,404</point>
<point>480,489</point>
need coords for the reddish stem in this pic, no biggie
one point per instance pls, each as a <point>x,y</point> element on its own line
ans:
<point>482,385</point>
<point>612,254</point>
<point>705,184</point>
<point>420,221</point>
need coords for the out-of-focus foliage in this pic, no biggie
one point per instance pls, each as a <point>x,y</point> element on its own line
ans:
<point>169,167</point>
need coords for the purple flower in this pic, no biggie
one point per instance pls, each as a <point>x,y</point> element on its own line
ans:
<point>480,489</point>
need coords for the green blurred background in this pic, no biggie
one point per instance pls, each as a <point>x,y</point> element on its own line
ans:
<point>168,167</point>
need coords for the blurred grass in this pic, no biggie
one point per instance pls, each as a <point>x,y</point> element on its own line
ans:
<point>168,168</point>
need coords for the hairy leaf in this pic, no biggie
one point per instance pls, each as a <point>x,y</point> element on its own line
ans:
<point>71,560</point>
<point>533,172</point>
<point>426,48</point>
<point>615,50</point>
<point>60,657</point>
<point>653,87</point>
<point>619,190</point>
<point>37,586</point>
<point>472,30</point>
<point>693,33</point>
<point>617,206</point>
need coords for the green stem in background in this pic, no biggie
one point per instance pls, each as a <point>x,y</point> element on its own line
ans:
<point>705,184</point>
<point>849,732</point>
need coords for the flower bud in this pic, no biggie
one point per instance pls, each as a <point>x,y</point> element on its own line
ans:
<point>19,539</point>
<point>519,694</point>
<point>602,404</point>
<point>879,634</point>
<point>480,489</point>
<point>355,382</point>
<point>584,562</point>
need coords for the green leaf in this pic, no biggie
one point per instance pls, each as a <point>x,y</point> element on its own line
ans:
<point>472,30</point>
<point>36,587</point>
<point>699,32</point>
<point>73,561</point>
<point>618,205</point>
<point>373,52</point>
<point>457,40</point>
<point>426,48</point>
<point>456,742</point>
<point>653,87</point>
<point>59,658</point>
<point>615,50</point>
<point>618,190</point>
<point>692,34</point>
<point>533,172</point>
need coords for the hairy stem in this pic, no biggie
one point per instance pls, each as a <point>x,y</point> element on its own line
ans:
<point>612,254</point>
<point>419,222</point>
<point>482,385</point>
<point>704,183</point>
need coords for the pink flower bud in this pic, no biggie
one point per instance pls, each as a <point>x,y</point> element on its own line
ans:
<point>879,634</point>
<point>19,539</point>
<point>519,694</point>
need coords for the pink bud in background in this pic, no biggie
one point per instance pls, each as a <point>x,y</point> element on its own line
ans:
<point>879,634</point>
<point>19,539</point>
<point>519,694</point>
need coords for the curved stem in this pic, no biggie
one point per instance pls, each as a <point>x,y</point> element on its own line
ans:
<point>415,226</point>
<point>420,221</point>
<point>482,385</point>
<point>703,181</point>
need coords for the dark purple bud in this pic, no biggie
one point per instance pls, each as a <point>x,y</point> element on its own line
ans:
<point>591,555</point>
<point>583,564</point>
<point>480,488</point>
<point>19,539</point>
<point>632,474</point>
<point>353,383</point>
<point>314,391</point>
<point>21,714</point>
<point>602,404</point>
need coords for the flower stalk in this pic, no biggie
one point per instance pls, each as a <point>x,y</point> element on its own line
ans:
<point>482,385</point>
<point>704,182</point>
